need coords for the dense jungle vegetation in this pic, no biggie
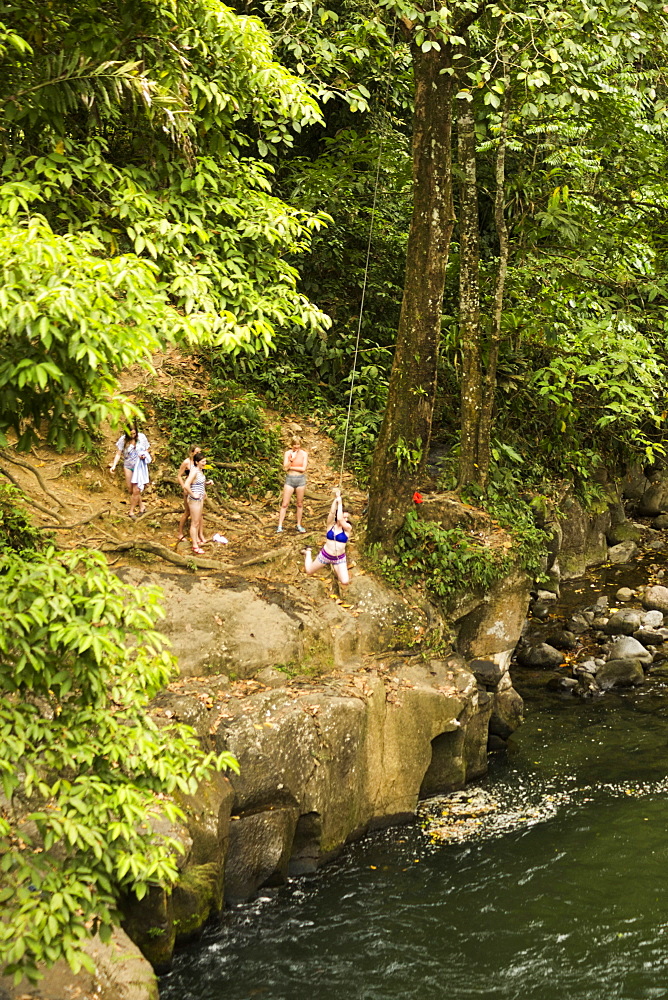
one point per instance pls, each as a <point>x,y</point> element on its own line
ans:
<point>214,176</point>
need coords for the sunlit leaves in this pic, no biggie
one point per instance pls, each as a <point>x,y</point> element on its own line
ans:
<point>85,773</point>
<point>140,157</point>
<point>70,319</point>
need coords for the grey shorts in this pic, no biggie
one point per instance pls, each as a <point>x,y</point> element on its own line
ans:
<point>295,479</point>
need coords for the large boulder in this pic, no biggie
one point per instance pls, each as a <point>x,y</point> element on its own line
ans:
<point>217,629</point>
<point>650,636</point>
<point>150,922</point>
<point>491,630</point>
<point>320,766</point>
<point>199,892</point>
<point>162,919</point>
<point>583,541</point>
<point>508,713</point>
<point>654,500</point>
<point>540,655</point>
<point>660,522</point>
<point>652,619</point>
<point>151,926</point>
<point>623,623</point>
<point>628,648</point>
<point>634,484</point>
<point>561,684</point>
<point>626,531</point>
<point>625,594</point>
<point>622,553</point>
<point>656,599</point>
<point>562,639</point>
<point>241,629</point>
<point>486,672</point>
<point>620,673</point>
<point>260,850</point>
<point>382,619</point>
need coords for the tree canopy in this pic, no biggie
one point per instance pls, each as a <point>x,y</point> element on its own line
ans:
<point>132,133</point>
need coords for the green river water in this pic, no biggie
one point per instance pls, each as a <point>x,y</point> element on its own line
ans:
<point>571,904</point>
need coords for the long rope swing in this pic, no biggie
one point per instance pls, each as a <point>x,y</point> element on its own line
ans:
<point>367,263</point>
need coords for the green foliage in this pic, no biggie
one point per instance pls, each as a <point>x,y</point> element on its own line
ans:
<point>513,510</point>
<point>231,429</point>
<point>344,51</point>
<point>70,320</point>
<point>147,155</point>
<point>86,774</point>
<point>17,531</point>
<point>452,561</point>
<point>446,561</point>
<point>408,457</point>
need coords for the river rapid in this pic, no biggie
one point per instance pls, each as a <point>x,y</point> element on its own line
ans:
<point>557,893</point>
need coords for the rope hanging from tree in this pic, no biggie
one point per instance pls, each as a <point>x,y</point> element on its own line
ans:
<point>366,265</point>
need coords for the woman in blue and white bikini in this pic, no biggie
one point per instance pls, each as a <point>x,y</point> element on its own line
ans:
<point>134,449</point>
<point>333,552</point>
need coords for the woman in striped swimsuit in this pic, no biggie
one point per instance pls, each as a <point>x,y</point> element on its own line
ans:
<point>333,552</point>
<point>184,469</point>
<point>195,488</point>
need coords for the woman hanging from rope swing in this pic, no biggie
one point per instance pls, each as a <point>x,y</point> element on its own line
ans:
<point>333,552</point>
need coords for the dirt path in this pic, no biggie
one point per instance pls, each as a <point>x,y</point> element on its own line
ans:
<point>82,503</point>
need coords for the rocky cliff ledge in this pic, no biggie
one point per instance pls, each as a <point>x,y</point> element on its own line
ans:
<point>341,716</point>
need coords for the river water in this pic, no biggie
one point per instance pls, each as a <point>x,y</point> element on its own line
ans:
<point>568,903</point>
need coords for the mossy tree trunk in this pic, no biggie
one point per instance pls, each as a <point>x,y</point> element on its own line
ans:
<point>403,443</point>
<point>489,382</point>
<point>480,348</point>
<point>469,292</point>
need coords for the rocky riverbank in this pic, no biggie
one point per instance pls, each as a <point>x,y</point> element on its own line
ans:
<point>383,721</point>
<point>604,645</point>
<point>586,647</point>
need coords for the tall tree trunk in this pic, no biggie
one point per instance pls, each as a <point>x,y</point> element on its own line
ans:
<point>489,384</point>
<point>412,389</point>
<point>469,293</point>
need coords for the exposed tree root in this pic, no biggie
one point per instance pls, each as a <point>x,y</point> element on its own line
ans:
<point>157,513</point>
<point>228,505</point>
<point>63,465</point>
<point>37,474</point>
<point>164,553</point>
<point>77,524</point>
<point>217,503</point>
<point>29,500</point>
<point>266,557</point>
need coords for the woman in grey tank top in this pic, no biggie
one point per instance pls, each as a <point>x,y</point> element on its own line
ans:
<point>295,461</point>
